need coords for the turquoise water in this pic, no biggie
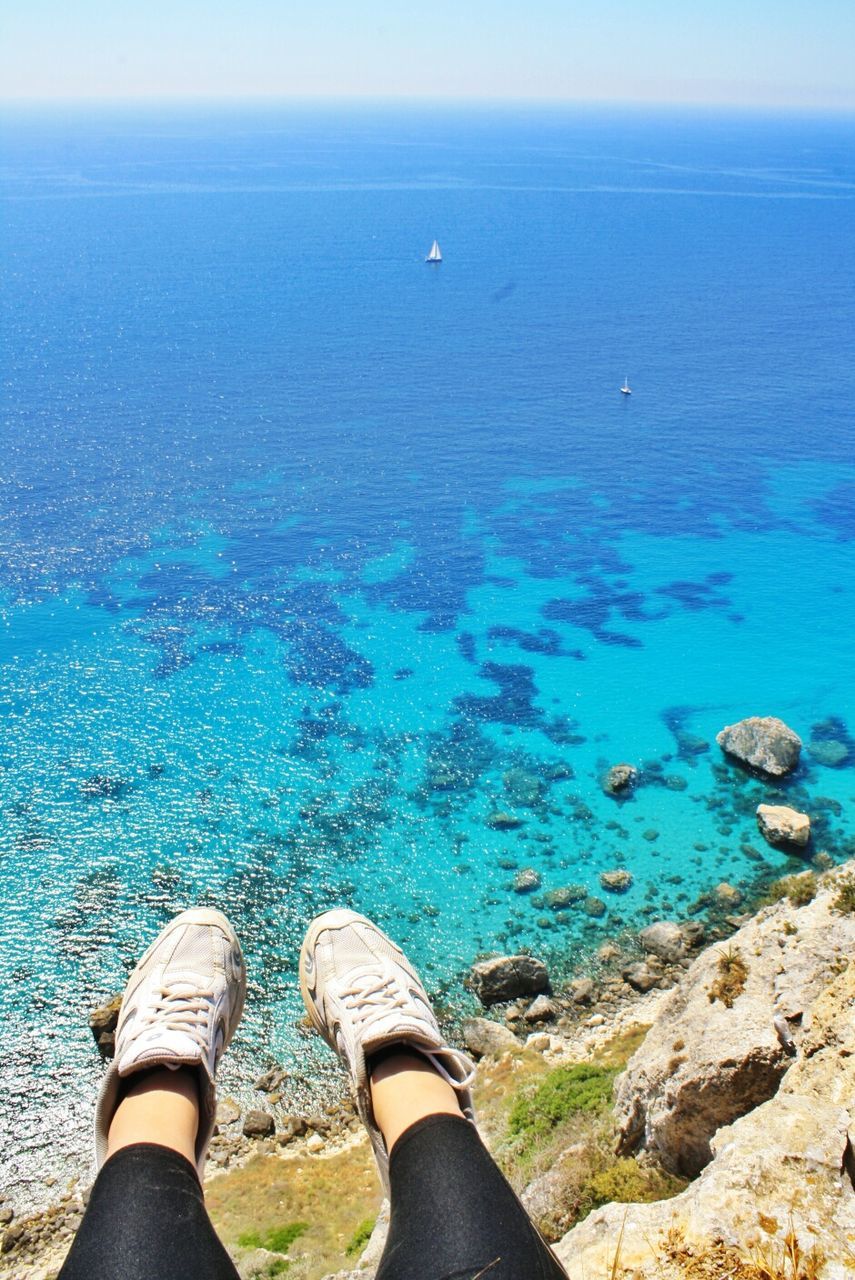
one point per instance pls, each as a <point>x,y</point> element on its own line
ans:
<point>314,556</point>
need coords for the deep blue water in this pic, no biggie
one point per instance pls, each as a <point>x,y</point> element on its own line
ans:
<point>314,556</point>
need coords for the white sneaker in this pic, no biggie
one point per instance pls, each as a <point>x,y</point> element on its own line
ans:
<point>181,1006</point>
<point>363,995</point>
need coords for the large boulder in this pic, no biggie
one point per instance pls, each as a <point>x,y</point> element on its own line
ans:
<point>483,1037</point>
<point>507,978</point>
<point>713,1053</point>
<point>762,742</point>
<point>781,826</point>
<point>786,1167</point>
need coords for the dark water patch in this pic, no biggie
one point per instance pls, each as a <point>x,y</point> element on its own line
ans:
<point>836,510</point>
<point>222,648</point>
<point>697,596</point>
<point>512,705</point>
<point>466,646</point>
<point>403,673</point>
<point>320,659</point>
<point>457,760</point>
<point>689,744</point>
<point>544,641</point>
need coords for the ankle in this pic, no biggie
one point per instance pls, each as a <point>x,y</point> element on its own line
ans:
<point>159,1106</point>
<point>406,1087</point>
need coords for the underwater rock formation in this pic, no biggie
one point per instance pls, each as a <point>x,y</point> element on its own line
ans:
<point>620,778</point>
<point>762,742</point>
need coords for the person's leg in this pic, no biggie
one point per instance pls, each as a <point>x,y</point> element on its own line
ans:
<point>453,1215</point>
<point>452,1212</point>
<point>146,1218</point>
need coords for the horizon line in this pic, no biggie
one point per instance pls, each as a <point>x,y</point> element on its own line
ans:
<point>426,100</point>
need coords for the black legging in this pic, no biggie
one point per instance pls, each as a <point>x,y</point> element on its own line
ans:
<point>453,1217</point>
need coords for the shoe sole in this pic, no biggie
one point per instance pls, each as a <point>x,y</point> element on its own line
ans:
<point>210,917</point>
<point>335,919</point>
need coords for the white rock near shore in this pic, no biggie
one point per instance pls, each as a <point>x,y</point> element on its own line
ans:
<point>781,826</point>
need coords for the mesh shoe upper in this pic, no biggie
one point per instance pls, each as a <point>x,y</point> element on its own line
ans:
<point>181,1006</point>
<point>363,995</point>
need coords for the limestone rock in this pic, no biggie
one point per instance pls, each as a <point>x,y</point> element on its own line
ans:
<point>727,894</point>
<point>617,881</point>
<point>781,826</point>
<point>582,990</point>
<point>541,1009</point>
<point>620,778</point>
<point>482,1037</point>
<point>102,1024</point>
<point>764,743</point>
<point>664,939</point>
<point>228,1112</point>
<point>702,1064</point>
<point>272,1079</point>
<point>787,1165</point>
<point>527,880</point>
<point>507,978</point>
<point>640,976</point>
<point>258,1124</point>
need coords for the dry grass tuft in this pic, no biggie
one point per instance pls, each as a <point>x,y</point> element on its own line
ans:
<point>729,983</point>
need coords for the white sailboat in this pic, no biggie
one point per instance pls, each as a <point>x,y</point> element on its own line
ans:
<point>434,255</point>
<point>626,389</point>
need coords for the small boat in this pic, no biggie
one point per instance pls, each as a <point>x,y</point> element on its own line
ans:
<point>434,255</point>
<point>626,389</point>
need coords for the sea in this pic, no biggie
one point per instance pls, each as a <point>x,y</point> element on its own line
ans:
<point>330,576</point>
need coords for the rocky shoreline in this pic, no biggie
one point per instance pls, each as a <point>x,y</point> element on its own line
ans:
<point>733,1030</point>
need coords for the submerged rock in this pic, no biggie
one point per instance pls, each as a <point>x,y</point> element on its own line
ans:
<point>781,826</point>
<point>620,778</point>
<point>527,880</point>
<point>566,896</point>
<point>764,743</point>
<point>501,821</point>
<point>830,753</point>
<point>507,978</point>
<point>617,881</point>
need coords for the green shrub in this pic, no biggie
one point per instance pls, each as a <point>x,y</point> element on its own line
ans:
<point>583,1087</point>
<point>800,889</point>
<point>844,900</point>
<point>277,1240</point>
<point>627,1182</point>
<point>278,1267</point>
<point>360,1237</point>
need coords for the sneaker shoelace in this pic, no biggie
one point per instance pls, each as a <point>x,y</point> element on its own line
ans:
<point>372,996</point>
<point>187,1012</point>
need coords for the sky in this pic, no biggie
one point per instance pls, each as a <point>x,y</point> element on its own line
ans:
<point>776,53</point>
